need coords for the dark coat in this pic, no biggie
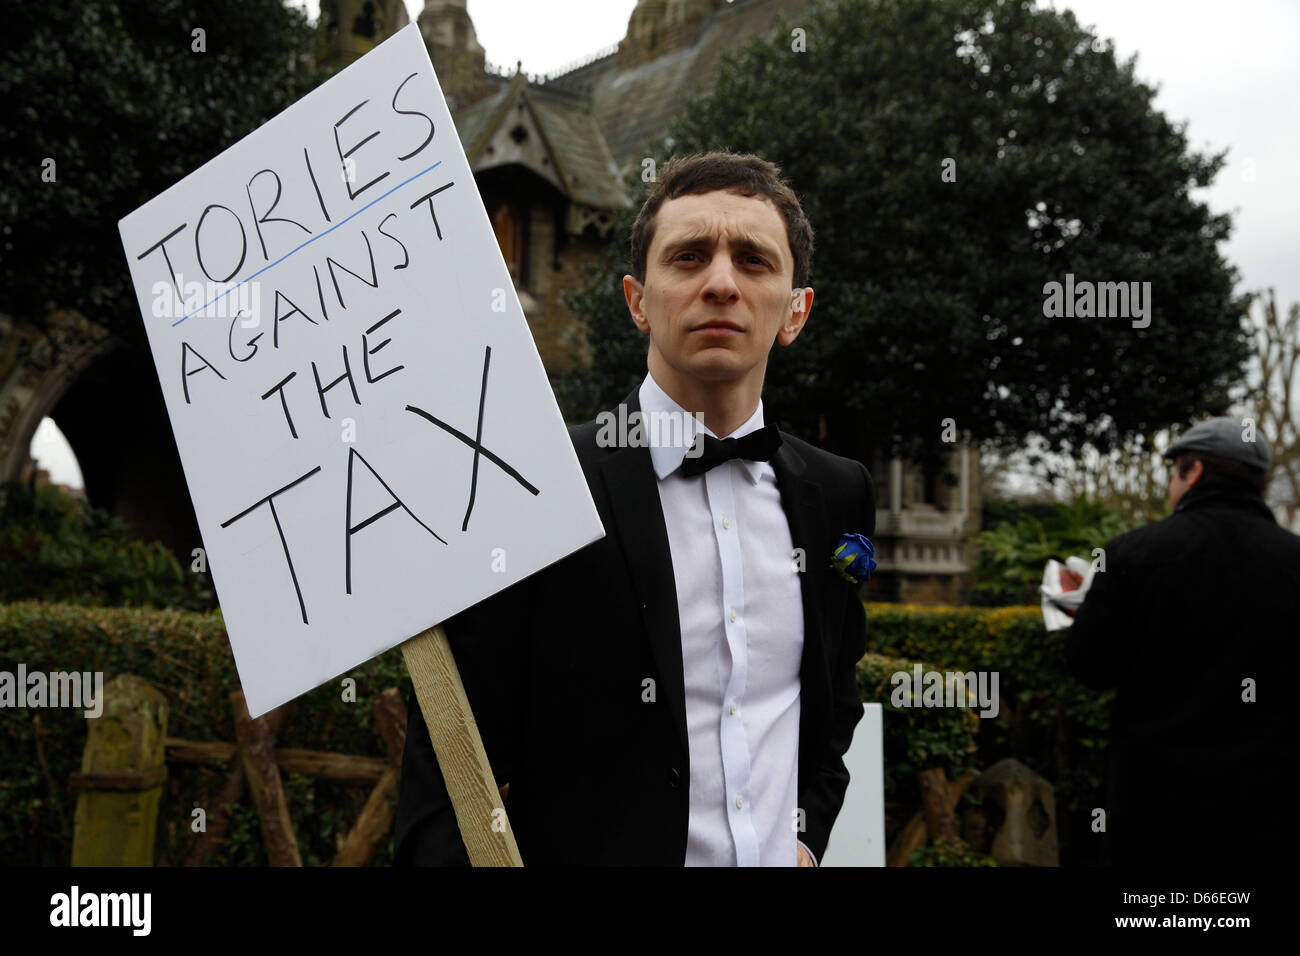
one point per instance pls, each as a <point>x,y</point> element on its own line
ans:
<point>554,669</point>
<point>1187,610</point>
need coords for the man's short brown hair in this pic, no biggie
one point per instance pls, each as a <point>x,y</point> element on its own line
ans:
<point>741,173</point>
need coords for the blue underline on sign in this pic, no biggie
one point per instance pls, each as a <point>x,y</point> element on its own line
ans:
<point>343,222</point>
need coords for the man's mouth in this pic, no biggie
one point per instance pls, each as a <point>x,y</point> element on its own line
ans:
<point>718,328</point>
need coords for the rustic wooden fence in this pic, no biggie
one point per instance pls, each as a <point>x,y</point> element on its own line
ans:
<point>124,767</point>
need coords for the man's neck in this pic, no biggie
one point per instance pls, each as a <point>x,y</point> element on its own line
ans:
<point>725,405</point>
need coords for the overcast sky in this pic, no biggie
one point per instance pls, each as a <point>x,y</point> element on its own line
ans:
<point>1227,68</point>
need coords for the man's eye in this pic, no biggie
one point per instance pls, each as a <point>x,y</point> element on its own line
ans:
<point>681,254</point>
<point>756,260</point>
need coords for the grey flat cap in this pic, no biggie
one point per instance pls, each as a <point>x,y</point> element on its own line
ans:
<point>1225,438</point>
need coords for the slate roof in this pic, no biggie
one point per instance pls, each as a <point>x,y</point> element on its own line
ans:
<point>596,120</point>
<point>568,127</point>
<point>476,122</point>
<point>581,152</point>
<point>583,78</point>
<point>635,108</point>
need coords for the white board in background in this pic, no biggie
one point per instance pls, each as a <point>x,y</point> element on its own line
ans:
<point>858,837</point>
<point>345,242</point>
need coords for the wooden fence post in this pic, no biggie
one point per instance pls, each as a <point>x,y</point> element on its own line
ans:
<point>231,791</point>
<point>377,816</point>
<point>913,836</point>
<point>121,778</point>
<point>939,822</point>
<point>257,754</point>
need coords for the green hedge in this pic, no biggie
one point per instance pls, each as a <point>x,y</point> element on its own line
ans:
<point>916,738</point>
<point>1052,724</point>
<point>1047,719</point>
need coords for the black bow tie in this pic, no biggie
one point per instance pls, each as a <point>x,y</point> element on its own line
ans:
<point>758,445</point>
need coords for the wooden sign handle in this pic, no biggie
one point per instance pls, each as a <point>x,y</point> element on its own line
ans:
<point>470,783</point>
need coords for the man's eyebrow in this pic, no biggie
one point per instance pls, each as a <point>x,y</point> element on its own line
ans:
<point>745,241</point>
<point>692,239</point>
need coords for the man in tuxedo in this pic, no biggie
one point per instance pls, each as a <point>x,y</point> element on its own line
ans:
<point>683,690</point>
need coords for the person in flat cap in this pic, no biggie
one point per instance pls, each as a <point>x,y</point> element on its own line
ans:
<point>1194,624</point>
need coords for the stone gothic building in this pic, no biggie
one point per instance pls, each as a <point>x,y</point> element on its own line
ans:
<point>549,154</point>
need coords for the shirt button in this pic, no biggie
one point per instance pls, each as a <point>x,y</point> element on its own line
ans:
<point>733,706</point>
<point>726,523</point>
<point>733,615</point>
<point>740,803</point>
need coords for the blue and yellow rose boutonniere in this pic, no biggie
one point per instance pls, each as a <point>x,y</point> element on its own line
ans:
<point>854,558</point>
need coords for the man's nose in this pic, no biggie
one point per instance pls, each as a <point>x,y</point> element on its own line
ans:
<point>720,281</point>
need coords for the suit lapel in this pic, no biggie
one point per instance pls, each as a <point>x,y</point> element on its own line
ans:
<point>802,501</point>
<point>633,492</point>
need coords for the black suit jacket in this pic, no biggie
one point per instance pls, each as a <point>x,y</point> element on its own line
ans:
<point>556,669</point>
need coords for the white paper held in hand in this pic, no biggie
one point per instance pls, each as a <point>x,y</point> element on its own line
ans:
<point>1064,588</point>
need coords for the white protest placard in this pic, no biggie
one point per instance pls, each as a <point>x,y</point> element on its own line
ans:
<point>366,428</point>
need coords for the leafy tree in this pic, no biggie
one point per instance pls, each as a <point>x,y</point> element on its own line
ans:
<point>1132,480</point>
<point>930,293</point>
<point>54,547</point>
<point>615,359</point>
<point>119,96</point>
<point>1014,550</point>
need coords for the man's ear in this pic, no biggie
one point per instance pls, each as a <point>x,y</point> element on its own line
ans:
<point>801,301</point>
<point>634,292</point>
<point>1195,473</point>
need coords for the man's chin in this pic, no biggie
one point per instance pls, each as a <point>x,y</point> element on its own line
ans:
<point>718,365</point>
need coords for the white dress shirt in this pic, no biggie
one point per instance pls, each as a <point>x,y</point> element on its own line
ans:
<point>741,612</point>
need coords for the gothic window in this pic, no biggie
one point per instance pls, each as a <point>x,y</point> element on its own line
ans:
<point>931,486</point>
<point>510,223</point>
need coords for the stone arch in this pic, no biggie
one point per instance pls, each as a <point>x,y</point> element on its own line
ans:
<point>36,371</point>
<point>105,397</point>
